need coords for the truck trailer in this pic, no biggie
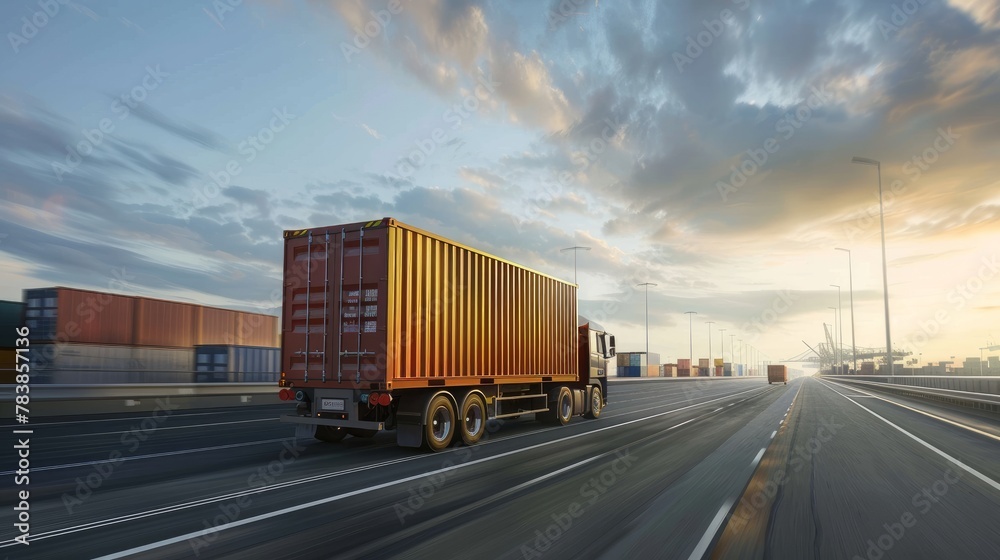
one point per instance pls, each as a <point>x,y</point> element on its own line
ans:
<point>388,327</point>
<point>777,374</point>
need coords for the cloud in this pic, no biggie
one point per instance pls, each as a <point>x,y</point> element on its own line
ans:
<point>259,199</point>
<point>371,131</point>
<point>449,46</point>
<point>185,131</point>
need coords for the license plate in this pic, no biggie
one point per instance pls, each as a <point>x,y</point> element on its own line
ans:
<point>332,404</point>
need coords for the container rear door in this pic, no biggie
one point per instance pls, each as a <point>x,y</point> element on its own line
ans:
<point>334,308</point>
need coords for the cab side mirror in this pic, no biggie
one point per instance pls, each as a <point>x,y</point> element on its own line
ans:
<point>611,346</point>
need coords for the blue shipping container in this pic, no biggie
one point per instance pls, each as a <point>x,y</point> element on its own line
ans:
<point>237,364</point>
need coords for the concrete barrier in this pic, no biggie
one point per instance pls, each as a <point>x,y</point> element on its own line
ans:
<point>979,392</point>
<point>64,400</point>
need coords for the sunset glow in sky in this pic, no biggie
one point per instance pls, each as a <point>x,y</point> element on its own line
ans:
<point>704,146</point>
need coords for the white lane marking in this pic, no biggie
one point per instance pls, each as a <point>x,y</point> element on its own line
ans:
<point>972,471</point>
<point>150,455</point>
<point>713,527</point>
<point>167,428</point>
<point>718,409</point>
<point>757,458</point>
<point>130,418</point>
<point>934,416</point>
<point>330,499</point>
<point>261,442</point>
<point>774,433</point>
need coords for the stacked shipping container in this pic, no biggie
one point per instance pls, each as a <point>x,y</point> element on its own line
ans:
<point>82,336</point>
<point>69,315</point>
<point>11,318</point>
<point>638,364</point>
<point>239,364</point>
<point>683,367</point>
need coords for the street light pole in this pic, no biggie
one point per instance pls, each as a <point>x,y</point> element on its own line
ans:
<point>647,285</point>
<point>840,341</point>
<point>885,273</point>
<point>834,331</point>
<point>722,351</point>
<point>690,315</point>
<point>575,250</point>
<point>732,352</point>
<point>711,364</point>
<point>850,274</point>
<point>741,356</point>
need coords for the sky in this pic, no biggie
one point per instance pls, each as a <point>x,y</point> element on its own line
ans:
<point>161,148</point>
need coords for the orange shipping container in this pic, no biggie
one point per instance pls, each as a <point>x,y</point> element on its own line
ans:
<point>405,308</point>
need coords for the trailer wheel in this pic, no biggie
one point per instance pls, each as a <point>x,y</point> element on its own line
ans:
<point>330,434</point>
<point>439,426</point>
<point>473,419</point>
<point>596,404</point>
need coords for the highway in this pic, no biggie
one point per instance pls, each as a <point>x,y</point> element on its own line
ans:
<point>672,469</point>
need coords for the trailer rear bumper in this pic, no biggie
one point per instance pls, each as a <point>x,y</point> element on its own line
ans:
<point>310,420</point>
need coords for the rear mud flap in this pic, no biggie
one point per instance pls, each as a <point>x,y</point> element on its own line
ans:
<point>303,431</point>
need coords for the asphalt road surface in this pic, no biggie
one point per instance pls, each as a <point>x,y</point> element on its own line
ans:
<point>673,469</point>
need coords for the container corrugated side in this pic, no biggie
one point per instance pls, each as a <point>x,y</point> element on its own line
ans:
<point>96,364</point>
<point>93,317</point>
<point>163,323</point>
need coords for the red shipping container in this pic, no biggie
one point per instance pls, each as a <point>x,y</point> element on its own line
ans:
<point>89,317</point>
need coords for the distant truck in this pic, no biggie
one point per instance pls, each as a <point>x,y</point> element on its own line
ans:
<point>385,326</point>
<point>777,374</point>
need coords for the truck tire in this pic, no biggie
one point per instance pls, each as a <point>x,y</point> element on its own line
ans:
<point>561,409</point>
<point>439,426</point>
<point>596,404</point>
<point>473,419</point>
<point>564,406</point>
<point>330,434</point>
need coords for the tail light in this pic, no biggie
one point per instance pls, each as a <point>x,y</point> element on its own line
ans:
<point>373,399</point>
<point>285,395</point>
<point>384,399</point>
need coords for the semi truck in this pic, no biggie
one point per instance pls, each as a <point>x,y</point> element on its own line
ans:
<point>777,374</point>
<point>388,327</point>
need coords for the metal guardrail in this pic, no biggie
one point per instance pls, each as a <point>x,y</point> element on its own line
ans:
<point>972,391</point>
<point>61,400</point>
<point>695,378</point>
